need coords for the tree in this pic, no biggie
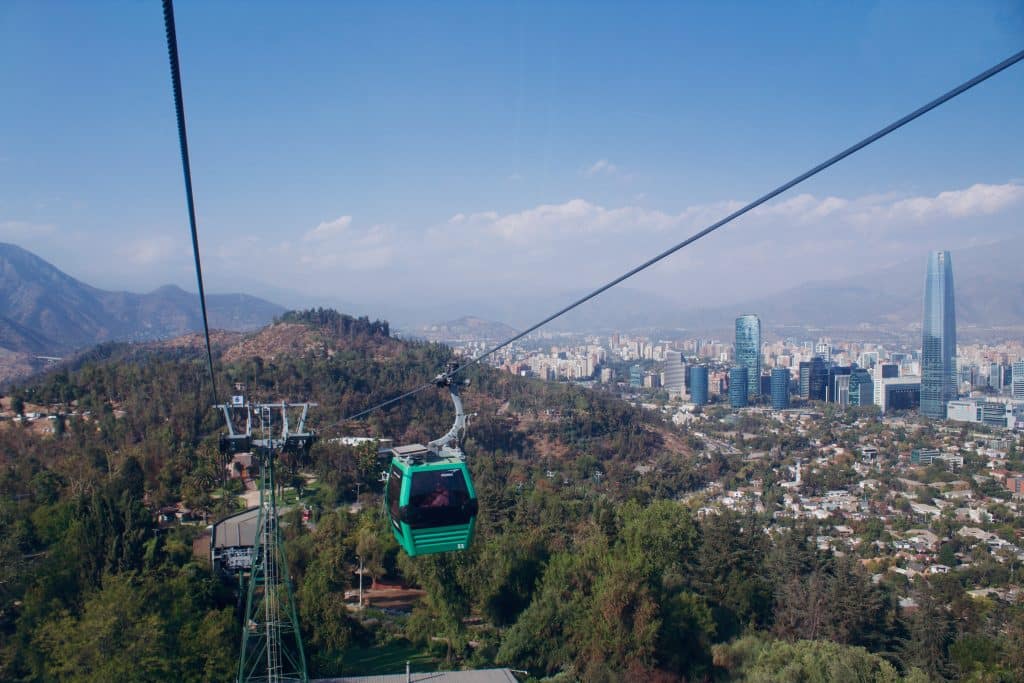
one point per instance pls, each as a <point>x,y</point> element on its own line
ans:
<point>118,637</point>
<point>755,660</point>
<point>930,633</point>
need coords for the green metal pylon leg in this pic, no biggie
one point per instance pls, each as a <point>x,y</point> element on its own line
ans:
<point>272,649</point>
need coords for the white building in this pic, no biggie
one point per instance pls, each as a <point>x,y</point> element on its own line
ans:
<point>674,374</point>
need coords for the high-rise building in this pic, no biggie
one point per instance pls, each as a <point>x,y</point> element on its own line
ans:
<point>636,376</point>
<point>900,393</point>
<point>738,387</point>
<point>699,385</point>
<point>938,338</point>
<point>748,351</point>
<point>813,379</point>
<point>862,389</point>
<point>675,372</point>
<point>839,392</point>
<point>881,372</point>
<point>886,370</point>
<point>1017,381</point>
<point>780,388</point>
<point>995,376</point>
<point>831,391</point>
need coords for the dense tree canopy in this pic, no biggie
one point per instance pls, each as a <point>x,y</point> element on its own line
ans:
<point>590,562</point>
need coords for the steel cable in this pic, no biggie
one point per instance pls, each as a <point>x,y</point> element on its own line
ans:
<point>179,109</point>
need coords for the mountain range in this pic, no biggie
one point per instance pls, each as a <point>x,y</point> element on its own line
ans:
<point>989,286</point>
<point>44,311</point>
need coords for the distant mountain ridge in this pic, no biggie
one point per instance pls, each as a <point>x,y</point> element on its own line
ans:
<point>45,311</point>
<point>988,287</point>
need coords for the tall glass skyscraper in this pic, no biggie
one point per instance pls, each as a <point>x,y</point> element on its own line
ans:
<point>748,351</point>
<point>938,339</point>
<point>699,385</point>
<point>738,387</point>
<point>780,388</point>
<point>813,379</point>
<point>862,388</point>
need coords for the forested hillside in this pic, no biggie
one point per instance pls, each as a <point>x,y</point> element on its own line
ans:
<point>589,563</point>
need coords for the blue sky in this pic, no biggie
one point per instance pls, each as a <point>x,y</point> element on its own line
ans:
<point>422,150</point>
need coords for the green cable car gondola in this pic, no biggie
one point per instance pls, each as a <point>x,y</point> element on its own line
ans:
<point>429,494</point>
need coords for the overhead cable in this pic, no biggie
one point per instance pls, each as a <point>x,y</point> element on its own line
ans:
<point>179,108</point>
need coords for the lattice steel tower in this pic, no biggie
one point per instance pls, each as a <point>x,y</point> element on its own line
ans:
<point>272,649</point>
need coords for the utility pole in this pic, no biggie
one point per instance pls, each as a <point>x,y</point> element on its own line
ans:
<point>271,650</point>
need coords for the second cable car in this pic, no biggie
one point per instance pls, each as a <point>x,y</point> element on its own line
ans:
<point>429,495</point>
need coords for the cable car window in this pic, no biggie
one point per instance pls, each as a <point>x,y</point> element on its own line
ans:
<point>439,498</point>
<point>394,491</point>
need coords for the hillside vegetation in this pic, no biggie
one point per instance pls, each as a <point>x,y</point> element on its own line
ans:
<point>587,565</point>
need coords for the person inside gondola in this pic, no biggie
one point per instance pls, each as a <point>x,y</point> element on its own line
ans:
<point>439,498</point>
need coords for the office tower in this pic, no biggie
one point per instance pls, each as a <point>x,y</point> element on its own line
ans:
<point>938,338</point>
<point>862,389</point>
<point>887,370</point>
<point>699,385</point>
<point>995,376</point>
<point>900,393</point>
<point>636,376</point>
<point>880,372</point>
<point>834,372</point>
<point>738,387</point>
<point>818,379</point>
<point>1017,381</point>
<point>675,372</point>
<point>780,388</point>
<point>840,391</point>
<point>748,351</point>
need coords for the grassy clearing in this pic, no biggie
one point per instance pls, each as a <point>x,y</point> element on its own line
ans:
<point>388,659</point>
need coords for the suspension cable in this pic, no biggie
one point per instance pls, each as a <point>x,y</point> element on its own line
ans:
<point>874,137</point>
<point>179,109</point>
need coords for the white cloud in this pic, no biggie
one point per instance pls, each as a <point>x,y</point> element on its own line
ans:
<point>578,217</point>
<point>793,240</point>
<point>369,249</point>
<point>328,230</point>
<point>601,167</point>
<point>579,243</point>
<point>978,199</point>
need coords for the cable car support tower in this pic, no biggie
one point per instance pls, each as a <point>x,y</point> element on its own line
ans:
<point>271,650</point>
